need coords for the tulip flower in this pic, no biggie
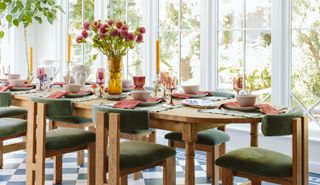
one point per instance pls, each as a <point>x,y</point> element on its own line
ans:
<point>139,38</point>
<point>84,34</point>
<point>86,25</point>
<point>79,39</point>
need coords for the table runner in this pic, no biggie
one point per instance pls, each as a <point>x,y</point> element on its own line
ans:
<point>154,108</point>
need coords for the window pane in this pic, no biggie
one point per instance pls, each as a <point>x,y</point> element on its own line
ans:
<point>258,62</point>
<point>230,57</point>
<point>117,9</point>
<point>169,54</point>
<point>190,57</point>
<point>258,13</point>
<point>75,22</point>
<point>169,14</point>
<point>190,14</point>
<point>305,13</point>
<point>230,14</point>
<point>306,66</point>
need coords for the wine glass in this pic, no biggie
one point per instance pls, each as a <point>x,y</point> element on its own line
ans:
<point>237,84</point>
<point>163,76</point>
<point>171,85</point>
<point>100,79</point>
<point>6,69</point>
<point>139,82</point>
<point>41,75</point>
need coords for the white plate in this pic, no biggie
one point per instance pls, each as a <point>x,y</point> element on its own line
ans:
<point>127,89</point>
<point>242,108</point>
<point>198,103</point>
<point>198,95</point>
<point>21,88</point>
<point>116,97</point>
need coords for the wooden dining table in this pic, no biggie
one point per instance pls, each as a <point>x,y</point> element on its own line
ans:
<point>188,121</point>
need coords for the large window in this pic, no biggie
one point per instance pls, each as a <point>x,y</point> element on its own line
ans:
<point>131,12</point>
<point>244,34</point>
<point>306,56</point>
<point>179,35</point>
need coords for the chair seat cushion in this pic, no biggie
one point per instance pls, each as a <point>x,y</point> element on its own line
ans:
<point>257,161</point>
<point>71,119</point>
<point>64,138</point>
<point>12,126</point>
<point>207,137</point>
<point>12,111</point>
<point>134,154</point>
<point>136,131</point>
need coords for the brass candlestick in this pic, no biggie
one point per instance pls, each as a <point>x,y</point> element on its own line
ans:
<point>157,84</point>
<point>68,77</point>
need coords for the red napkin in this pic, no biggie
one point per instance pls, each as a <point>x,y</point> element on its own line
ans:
<point>263,108</point>
<point>60,94</point>
<point>4,88</point>
<point>186,96</point>
<point>59,83</point>
<point>154,99</point>
<point>126,104</point>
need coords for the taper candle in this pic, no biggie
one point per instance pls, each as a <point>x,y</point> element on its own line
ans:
<point>157,57</point>
<point>69,47</point>
<point>31,59</point>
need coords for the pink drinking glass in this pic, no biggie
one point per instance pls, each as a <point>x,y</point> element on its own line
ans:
<point>101,76</point>
<point>171,85</point>
<point>139,82</point>
<point>41,75</point>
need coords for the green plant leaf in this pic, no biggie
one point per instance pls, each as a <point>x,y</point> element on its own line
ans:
<point>7,1</point>
<point>9,18</point>
<point>1,34</point>
<point>15,22</point>
<point>38,19</point>
<point>3,6</point>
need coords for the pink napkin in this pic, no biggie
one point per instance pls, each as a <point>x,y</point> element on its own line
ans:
<point>59,83</point>
<point>155,99</point>
<point>186,96</point>
<point>126,104</point>
<point>263,108</point>
<point>60,94</point>
<point>4,88</point>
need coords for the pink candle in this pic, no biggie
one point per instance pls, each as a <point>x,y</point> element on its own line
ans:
<point>40,72</point>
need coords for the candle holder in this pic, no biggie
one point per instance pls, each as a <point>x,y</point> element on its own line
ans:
<point>68,76</point>
<point>163,81</point>
<point>171,96</point>
<point>157,84</point>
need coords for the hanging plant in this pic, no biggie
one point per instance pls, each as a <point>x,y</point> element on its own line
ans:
<point>25,12</point>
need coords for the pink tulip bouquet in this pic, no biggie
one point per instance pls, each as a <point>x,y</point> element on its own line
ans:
<point>112,37</point>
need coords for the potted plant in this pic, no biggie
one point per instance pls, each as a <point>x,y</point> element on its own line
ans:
<point>113,39</point>
<point>25,12</point>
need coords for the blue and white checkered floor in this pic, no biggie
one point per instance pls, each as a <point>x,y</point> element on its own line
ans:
<point>14,171</point>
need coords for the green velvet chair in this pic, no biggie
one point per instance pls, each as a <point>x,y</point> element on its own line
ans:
<point>208,141</point>
<point>259,164</point>
<point>42,144</point>
<point>129,156</point>
<point>11,128</point>
<point>6,110</point>
<point>63,118</point>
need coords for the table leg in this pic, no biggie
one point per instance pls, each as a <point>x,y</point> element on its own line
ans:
<point>189,169</point>
<point>254,134</point>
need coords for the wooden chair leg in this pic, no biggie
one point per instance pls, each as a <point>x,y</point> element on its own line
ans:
<point>1,154</point>
<point>227,176</point>
<point>255,183</point>
<point>57,176</point>
<point>137,175</point>
<point>169,171</point>
<point>124,180</point>
<point>91,164</point>
<point>209,164</point>
<point>80,158</point>
<point>213,168</point>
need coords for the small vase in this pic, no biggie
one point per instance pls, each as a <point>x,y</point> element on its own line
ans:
<point>115,76</point>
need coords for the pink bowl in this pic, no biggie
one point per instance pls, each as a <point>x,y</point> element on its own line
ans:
<point>246,100</point>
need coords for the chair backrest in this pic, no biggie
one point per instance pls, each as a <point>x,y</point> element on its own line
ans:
<point>55,107</point>
<point>130,119</point>
<point>279,124</point>
<point>222,94</point>
<point>5,99</point>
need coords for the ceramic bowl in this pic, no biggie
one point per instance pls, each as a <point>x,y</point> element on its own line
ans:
<point>16,82</point>
<point>72,80</point>
<point>127,83</point>
<point>73,88</point>
<point>191,89</point>
<point>141,95</point>
<point>246,100</point>
<point>13,76</point>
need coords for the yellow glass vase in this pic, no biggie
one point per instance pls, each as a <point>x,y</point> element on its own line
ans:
<point>115,76</point>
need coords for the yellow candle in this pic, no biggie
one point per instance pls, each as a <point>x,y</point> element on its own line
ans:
<point>31,59</point>
<point>69,47</point>
<point>157,56</point>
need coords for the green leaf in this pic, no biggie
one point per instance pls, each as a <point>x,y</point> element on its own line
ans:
<point>3,6</point>
<point>14,10</point>
<point>15,22</point>
<point>19,4</point>
<point>94,57</point>
<point>38,19</point>
<point>9,18</point>
<point>1,34</point>
<point>7,1</point>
